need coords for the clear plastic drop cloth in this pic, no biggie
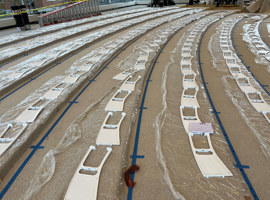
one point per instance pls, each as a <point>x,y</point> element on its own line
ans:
<point>79,136</point>
<point>217,58</point>
<point>50,108</point>
<point>47,168</point>
<point>177,164</point>
<point>52,178</point>
<point>254,120</point>
<point>158,125</point>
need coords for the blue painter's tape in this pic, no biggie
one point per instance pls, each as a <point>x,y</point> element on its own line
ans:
<point>137,156</point>
<point>91,81</point>
<point>130,189</point>
<point>141,108</point>
<point>3,192</point>
<point>242,166</point>
<point>37,147</point>
<point>71,102</point>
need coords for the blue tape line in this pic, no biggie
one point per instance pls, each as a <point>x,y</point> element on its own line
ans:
<point>238,163</point>
<point>3,192</point>
<point>135,149</point>
<point>71,102</point>
<point>17,173</point>
<point>138,156</point>
<point>247,67</point>
<point>242,166</point>
<point>37,147</point>
<point>141,108</point>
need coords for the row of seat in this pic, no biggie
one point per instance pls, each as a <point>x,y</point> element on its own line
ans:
<point>251,31</point>
<point>7,53</point>
<point>207,160</point>
<point>28,67</point>
<point>48,29</point>
<point>241,75</point>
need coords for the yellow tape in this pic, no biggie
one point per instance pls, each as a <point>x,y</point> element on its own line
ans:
<point>55,5</point>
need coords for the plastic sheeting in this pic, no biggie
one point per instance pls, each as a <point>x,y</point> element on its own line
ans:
<point>254,120</point>
<point>43,40</point>
<point>94,114</point>
<point>32,64</point>
<point>48,29</point>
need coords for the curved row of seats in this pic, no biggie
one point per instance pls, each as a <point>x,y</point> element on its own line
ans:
<point>49,29</point>
<point>39,62</point>
<point>109,134</point>
<point>239,72</point>
<point>207,160</point>
<point>10,52</point>
<point>64,85</point>
<point>254,38</point>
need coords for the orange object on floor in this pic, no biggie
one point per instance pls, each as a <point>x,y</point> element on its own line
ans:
<point>128,180</point>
